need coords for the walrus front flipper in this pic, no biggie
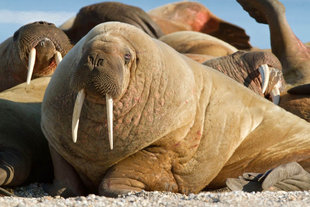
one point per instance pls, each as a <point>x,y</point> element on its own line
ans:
<point>300,90</point>
<point>286,177</point>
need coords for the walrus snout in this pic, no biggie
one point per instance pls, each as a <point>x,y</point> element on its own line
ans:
<point>99,75</point>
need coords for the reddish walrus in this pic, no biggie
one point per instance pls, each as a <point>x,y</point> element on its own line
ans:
<point>126,112</point>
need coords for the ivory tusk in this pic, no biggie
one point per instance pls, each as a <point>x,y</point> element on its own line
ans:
<point>31,62</point>
<point>275,95</point>
<point>265,73</point>
<point>76,113</point>
<point>109,104</point>
<point>58,57</point>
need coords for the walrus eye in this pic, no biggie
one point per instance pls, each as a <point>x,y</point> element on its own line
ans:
<point>127,58</point>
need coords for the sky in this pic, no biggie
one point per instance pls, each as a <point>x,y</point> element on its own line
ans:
<point>15,13</point>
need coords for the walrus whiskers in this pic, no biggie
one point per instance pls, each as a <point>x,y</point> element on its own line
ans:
<point>109,104</point>
<point>76,113</point>
<point>31,62</point>
<point>264,72</point>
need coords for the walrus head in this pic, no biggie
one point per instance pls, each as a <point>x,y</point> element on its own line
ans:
<point>41,46</point>
<point>103,71</point>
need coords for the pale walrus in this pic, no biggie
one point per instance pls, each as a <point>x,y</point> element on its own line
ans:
<point>33,51</point>
<point>178,125</point>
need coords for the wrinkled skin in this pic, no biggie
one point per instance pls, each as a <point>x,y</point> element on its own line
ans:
<point>24,153</point>
<point>243,67</point>
<point>292,53</point>
<point>168,136</point>
<point>89,16</point>
<point>193,43</point>
<point>194,16</point>
<point>46,38</point>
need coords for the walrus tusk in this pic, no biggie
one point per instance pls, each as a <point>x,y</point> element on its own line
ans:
<point>76,113</point>
<point>31,62</point>
<point>275,95</point>
<point>109,104</point>
<point>58,57</point>
<point>264,72</point>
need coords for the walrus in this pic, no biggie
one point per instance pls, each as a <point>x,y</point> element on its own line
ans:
<point>33,51</point>
<point>260,71</point>
<point>194,16</point>
<point>177,125</point>
<point>196,44</point>
<point>24,152</point>
<point>292,53</point>
<point>90,16</point>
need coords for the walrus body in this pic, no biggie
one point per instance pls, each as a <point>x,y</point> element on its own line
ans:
<point>91,15</point>
<point>24,153</point>
<point>194,16</point>
<point>178,125</point>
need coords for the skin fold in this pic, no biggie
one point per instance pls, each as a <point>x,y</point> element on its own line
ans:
<point>24,153</point>
<point>179,126</point>
<point>89,16</point>
<point>46,38</point>
<point>186,15</point>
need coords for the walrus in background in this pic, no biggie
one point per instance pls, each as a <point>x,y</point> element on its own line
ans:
<point>89,16</point>
<point>198,46</point>
<point>292,53</point>
<point>24,153</point>
<point>187,15</point>
<point>259,71</point>
<point>173,123</point>
<point>34,51</point>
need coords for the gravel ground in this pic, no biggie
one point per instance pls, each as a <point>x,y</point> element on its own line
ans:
<point>33,195</point>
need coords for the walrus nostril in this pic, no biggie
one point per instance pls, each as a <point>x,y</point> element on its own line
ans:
<point>100,62</point>
<point>95,61</point>
<point>90,59</point>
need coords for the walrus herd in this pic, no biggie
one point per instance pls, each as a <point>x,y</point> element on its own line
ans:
<point>125,100</point>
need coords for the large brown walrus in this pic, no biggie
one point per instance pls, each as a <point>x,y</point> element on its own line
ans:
<point>33,51</point>
<point>173,124</point>
<point>89,16</point>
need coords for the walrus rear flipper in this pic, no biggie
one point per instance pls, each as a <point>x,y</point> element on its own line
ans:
<point>286,177</point>
<point>14,167</point>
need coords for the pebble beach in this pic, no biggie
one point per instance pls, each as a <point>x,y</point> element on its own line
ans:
<point>33,195</point>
